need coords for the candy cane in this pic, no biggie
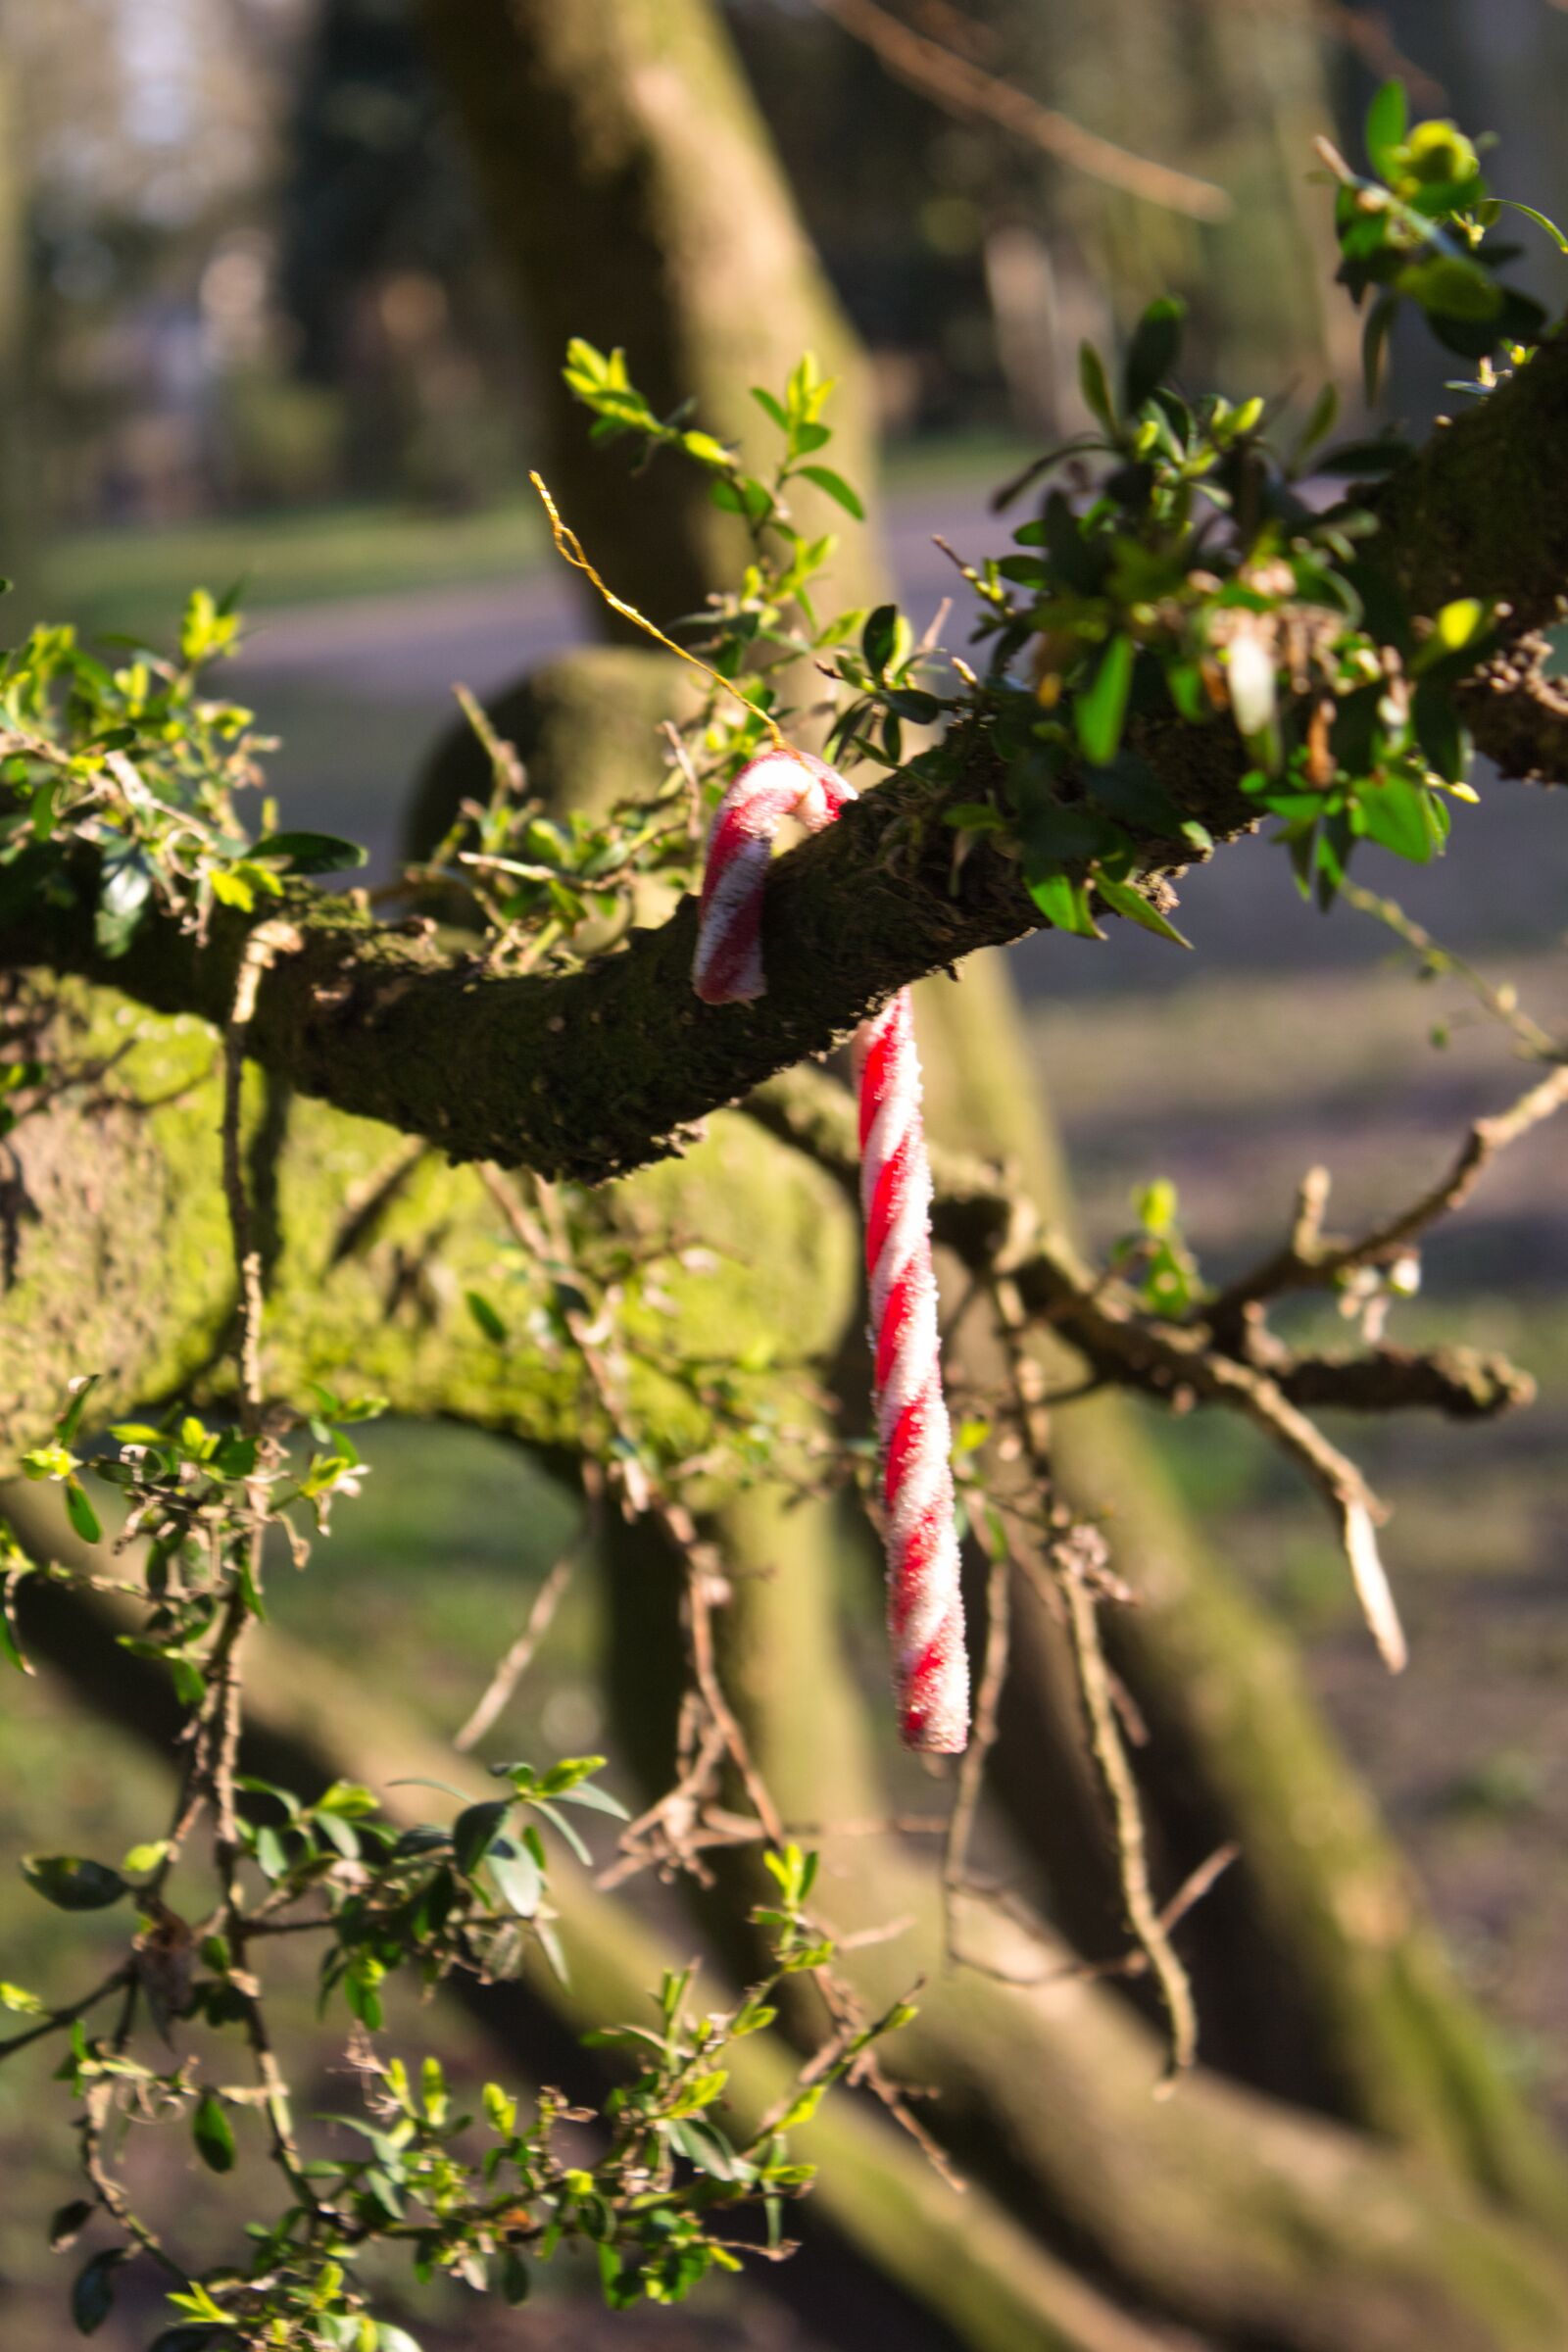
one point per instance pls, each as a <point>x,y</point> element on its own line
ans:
<point>925,1610</point>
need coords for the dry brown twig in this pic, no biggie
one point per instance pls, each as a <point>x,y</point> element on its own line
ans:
<point>515,1661</point>
<point>1076,1559</point>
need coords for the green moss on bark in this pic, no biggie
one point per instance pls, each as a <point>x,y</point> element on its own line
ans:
<point>122,1262</point>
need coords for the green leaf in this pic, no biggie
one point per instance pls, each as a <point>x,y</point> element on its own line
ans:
<point>125,881</point>
<point>770,407</point>
<point>551,1945</point>
<point>700,2094</point>
<point>210,2129</point>
<point>1457,629</point>
<point>598,1800</point>
<point>70,1421</point>
<point>1443,742</point>
<point>1100,710</point>
<point>515,2277</point>
<point>1396,815</point>
<point>485,1314</point>
<point>71,1882</point>
<point>519,1878</point>
<point>879,637</point>
<point>10,1649</point>
<point>1062,902</point>
<point>313,852</point>
<point>837,488</point>
<point>1541,220</point>
<point>706,449</point>
<point>1151,353</point>
<point>1373,337</point>
<point>67,2223</point>
<point>1123,899</point>
<point>1325,408</point>
<point>1386,118</point>
<point>140,1859</point>
<point>79,1511</point>
<point>476,1830</point>
<point>92,2297</point>
<point>1096,391</point>
<point>802,2108</point>
<point>563,1827</point>
<point>705,2146</point>
<point>1452,286</point>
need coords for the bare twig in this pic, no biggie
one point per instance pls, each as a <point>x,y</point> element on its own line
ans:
<point>1071,1559</point>
<point>983,1737</point>
<point>1307,1263</point>
<point>1364,31</point>
<point>1501,1003</point>
<point>1076,1559</point>
<point>641,1491</point>
<point>514,1665</point>
<point>68,2013</point>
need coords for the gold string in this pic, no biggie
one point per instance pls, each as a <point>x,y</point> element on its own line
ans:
<point>568,544</point>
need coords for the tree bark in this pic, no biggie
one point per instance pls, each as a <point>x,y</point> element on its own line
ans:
<point>371,1250</point>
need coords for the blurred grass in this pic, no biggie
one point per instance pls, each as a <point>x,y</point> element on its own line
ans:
<point>137,579</point>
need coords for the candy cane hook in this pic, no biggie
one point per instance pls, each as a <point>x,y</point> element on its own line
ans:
<point>925,1610</point>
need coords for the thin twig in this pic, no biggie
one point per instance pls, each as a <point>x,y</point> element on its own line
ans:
<point>516,1663</point>
<point>1361,31</point>
<point>1072,1557</point>
<point>983,1737</point>
<point>1109,1752</point>
<point>643,1495</point>
<point>66,2015</point>
<point>1307,1263</point>
<point>1500,1002</point>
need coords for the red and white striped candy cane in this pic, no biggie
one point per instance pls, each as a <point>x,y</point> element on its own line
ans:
<point>925,1609</point>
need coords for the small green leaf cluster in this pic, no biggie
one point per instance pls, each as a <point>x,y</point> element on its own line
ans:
<point>1188,580</point>
<point>1417,230</point>
<point>537,880</point>
<point>591,1275</point>
<point>770,621</point>
<point>139,766</point>
<point>482,2198</point>
<point>1156,1254</point>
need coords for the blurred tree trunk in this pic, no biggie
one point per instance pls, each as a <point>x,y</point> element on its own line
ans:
<point>19,503</point>
<point>636,200</point>
<point>1234,91</point>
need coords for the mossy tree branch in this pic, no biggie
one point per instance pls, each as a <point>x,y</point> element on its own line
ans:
<point>595,1072</point>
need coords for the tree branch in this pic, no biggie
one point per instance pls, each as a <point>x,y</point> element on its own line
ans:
<point>990,1225</point>
<point>593,1073</point>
